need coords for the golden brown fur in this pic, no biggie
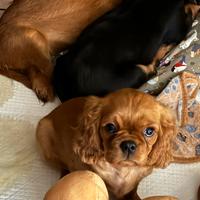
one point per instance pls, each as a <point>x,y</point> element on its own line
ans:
<point>75,136</point>
<point>32,31</point>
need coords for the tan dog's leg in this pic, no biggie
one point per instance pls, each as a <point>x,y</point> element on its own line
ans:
<point>40,72</point>
<point>31,57</point>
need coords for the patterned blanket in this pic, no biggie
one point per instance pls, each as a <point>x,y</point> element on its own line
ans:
<point>185,57</point>
<point>181,92</point>
<point>24,175</point>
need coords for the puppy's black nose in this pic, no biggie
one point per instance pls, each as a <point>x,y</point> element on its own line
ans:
<point>128,146</point>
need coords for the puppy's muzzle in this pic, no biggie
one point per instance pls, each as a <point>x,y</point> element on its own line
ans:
<point>128,147</point>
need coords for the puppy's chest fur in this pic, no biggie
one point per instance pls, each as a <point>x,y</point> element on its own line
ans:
<point>120,180</point>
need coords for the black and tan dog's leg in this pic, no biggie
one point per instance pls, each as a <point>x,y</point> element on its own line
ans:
<point>194,9</point>
<point>151,68</point>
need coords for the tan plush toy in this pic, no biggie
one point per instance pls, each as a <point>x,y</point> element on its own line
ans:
<point>78,185</point>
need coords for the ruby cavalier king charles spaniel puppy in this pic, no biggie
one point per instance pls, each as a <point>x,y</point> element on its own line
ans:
<point>121,137</point>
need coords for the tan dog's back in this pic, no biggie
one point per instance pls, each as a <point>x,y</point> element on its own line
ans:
<point>60,21</point>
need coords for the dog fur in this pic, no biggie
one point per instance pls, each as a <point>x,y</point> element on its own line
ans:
<point>121,48</point>
<point>78,135</point>
<point>33,31</point>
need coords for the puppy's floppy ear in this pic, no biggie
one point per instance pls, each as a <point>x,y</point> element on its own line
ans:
<point>161,154</point>
<point>88,146</point>
<point>44,134</point>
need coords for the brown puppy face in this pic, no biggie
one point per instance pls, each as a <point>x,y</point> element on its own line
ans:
<point>129,128</point>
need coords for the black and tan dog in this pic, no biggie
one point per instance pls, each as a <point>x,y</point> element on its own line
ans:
<point>121,48</point>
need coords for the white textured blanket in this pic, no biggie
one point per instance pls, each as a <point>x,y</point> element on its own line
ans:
<point>23,173</point>
<point>179,180</point>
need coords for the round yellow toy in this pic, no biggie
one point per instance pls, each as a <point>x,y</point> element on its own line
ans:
<point>78,185</point>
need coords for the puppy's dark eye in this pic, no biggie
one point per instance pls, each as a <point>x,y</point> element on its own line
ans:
<point>149,131</point>
<point>111,128</point>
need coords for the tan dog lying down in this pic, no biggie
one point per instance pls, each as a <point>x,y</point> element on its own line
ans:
<point>121,137</point>
<point>32,31</point>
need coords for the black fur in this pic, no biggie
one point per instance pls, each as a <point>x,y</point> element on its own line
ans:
<point>197,2</point>
<point>105,56</point>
